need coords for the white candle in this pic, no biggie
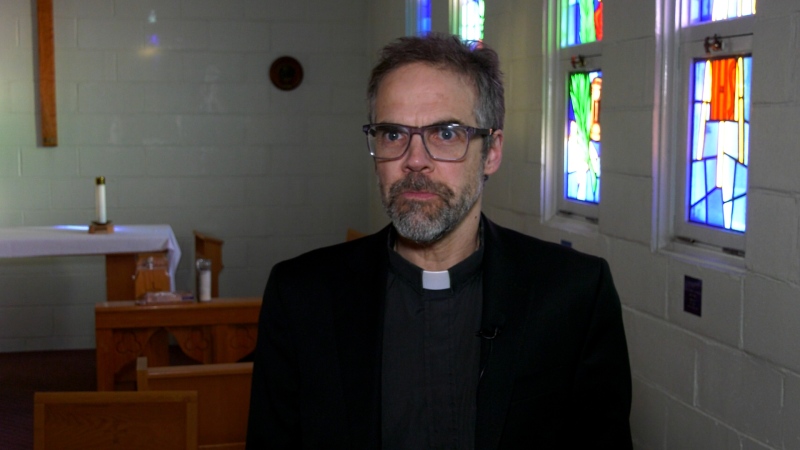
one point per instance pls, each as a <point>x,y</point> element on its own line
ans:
<point>100,200</point>
<point>205,285</point>
<point>203,279</point>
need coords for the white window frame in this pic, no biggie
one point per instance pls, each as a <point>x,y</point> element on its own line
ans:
<point>560,62</point>
<point>690,42</point>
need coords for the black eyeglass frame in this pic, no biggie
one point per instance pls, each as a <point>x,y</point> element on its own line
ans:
<point>471,131</point>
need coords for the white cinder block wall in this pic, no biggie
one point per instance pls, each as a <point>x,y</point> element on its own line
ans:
<point>728,379</point>
<point>170,100</point>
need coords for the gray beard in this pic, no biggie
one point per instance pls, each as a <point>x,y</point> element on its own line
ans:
<point>426,223</point>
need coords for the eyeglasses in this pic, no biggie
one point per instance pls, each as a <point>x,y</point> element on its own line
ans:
<point>445,142</point>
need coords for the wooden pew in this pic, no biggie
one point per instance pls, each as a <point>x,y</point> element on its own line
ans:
<point>120,420</point>
<point>223,397</point>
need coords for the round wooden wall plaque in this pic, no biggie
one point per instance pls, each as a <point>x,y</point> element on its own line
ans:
<point>286,73</point>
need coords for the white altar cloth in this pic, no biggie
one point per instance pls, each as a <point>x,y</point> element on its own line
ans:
<point>64,240</point>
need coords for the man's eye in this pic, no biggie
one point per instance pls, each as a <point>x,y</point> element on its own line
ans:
<point>446,134</point>
<point>392,136</point>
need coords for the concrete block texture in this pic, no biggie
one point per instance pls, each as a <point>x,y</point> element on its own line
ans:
<point>619,60</point>
<point>628,141</point>
<point>640,276</point>
<point>9,162</point>
<point>522,91</point>
<point>772,235</point>
<point>19,192</point>
<point>46,163</point>
<point>26,321</point>
<point>648,416</point>
<point>790,416</point>
<point>743,392</point>
<point>235,35</point>
<point>774,78</point>
<point>209,9</point>
<point>86,66</point>
<point>77,320</point>
<point>628,19</point>
<point>626,206</point>
<point>175,34</point>
<point>770,329</point>
<point>108,33</point>
<point>16,8</point>
<point>773,151</point>
<point>16,68</point>
<point>688,428</point>
<point>721,302</point>
<point>161,9</point>
<point>528,175</point>
<point>662,355</point>
<point>83,9</point>
<point>17,129</point>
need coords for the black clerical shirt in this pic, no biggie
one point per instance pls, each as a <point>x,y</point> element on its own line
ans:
<point>430,364</point>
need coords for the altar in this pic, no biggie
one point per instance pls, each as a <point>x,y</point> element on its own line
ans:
<point>123,249</point>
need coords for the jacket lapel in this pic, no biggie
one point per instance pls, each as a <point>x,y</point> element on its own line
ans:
<point>358,321</point>
<point>506,294</point>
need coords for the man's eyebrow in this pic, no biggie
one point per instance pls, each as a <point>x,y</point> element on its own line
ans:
<point>433,124</point>
<point>446,122</point>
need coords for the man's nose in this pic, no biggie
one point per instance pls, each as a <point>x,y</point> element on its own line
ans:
<point>417,157</point>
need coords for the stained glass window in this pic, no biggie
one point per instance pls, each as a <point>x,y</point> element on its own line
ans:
<point>471,18</point>
<point>581,21</point>
<point>720,136</point>
<point>423,17</point>
<point>701,11</point>
<point>582,165</point>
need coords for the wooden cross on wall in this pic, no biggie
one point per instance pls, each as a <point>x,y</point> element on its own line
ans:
<point>47,73</point>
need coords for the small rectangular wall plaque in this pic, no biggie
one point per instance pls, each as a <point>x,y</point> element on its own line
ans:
<point>692,295</point>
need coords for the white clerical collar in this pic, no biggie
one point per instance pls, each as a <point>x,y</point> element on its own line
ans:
<point>435,281</point>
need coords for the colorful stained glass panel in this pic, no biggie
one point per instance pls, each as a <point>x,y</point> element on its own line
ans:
<point>701,11</point>
<point>720,125</point>
<point>582,148</point>
<point>471,20</point>
<point>581,22</point>
<point>423,17</point>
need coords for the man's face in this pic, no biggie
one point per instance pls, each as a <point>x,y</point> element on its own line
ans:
<point>425,198</point>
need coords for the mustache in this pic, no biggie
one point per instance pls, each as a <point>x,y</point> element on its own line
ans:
<point>419,182</point>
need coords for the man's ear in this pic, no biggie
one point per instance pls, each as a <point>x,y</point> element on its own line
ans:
<point>494,156</point>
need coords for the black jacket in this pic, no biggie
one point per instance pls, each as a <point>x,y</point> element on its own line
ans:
<point>557,375</point>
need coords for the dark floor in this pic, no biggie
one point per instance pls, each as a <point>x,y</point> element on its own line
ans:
<point>22,374</point>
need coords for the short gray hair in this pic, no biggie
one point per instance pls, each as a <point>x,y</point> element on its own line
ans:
<point>474,60</point>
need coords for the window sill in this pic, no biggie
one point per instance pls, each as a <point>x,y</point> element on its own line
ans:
<point>706,255</point>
